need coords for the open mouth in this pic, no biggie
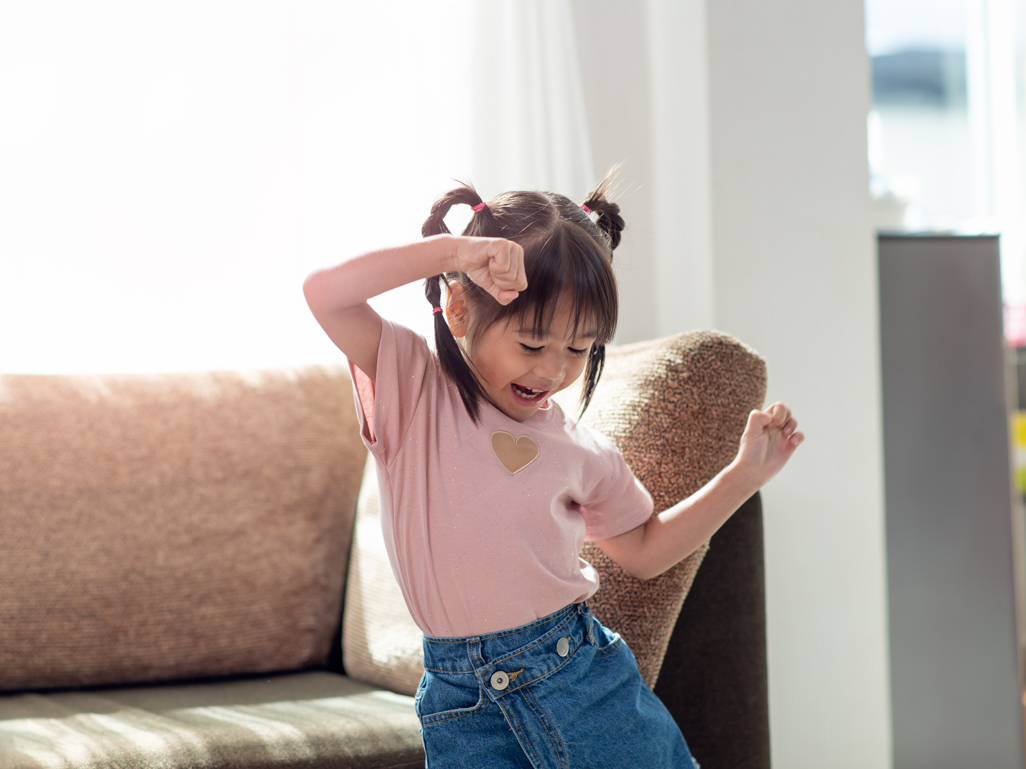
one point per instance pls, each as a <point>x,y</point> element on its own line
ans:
<point>527,395</point>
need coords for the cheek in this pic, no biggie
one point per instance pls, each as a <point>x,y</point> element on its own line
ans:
<point>577,368</point>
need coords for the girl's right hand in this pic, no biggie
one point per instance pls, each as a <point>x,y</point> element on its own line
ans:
<point>495,264</point>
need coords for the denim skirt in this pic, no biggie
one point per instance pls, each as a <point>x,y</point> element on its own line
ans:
<point>563,692</point>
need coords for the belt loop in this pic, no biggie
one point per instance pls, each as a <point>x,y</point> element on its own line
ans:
<point>589,621</point>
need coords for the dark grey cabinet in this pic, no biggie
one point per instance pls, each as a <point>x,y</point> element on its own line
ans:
<point>955,678</point>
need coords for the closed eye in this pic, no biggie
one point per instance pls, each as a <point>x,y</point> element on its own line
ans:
<point>535,350</point>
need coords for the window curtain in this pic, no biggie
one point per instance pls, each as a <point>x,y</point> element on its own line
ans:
<point>170,173</point>
<point>529,118</point>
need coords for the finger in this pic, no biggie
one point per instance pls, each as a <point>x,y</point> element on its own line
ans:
<point>515,273</point>
<point>504,268</point>
<point>779,414</point>
<point>498,257</point>
<point>506,296</point>
<point>520,280</point>
<point>757,421</point>
<point>796,439</point>
<point>790,426</point>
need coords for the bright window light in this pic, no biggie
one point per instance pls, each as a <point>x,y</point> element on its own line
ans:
<point>170,173</point>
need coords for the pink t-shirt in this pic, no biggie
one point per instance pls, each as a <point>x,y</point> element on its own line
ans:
<point>483,523</point>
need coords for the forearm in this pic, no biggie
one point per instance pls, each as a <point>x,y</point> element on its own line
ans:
<point>355,281</point>
<point>670,537</point>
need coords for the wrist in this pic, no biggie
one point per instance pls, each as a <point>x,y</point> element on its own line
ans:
<point>740,479</point>
<point>449,245</point>
<point>439,253</point>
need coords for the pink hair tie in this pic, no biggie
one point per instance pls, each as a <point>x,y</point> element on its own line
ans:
<point>478,207</point>
<point>586,209</point>
<point>437,309</point>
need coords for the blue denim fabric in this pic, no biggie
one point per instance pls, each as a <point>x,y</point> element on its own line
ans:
<point>509,699</point>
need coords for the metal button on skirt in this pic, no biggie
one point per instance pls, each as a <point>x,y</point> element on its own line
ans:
<point>563,692</point>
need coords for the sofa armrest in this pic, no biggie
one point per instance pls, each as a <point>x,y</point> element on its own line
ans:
<point>714,676</point>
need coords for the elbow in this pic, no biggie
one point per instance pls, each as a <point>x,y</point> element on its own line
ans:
<point>308,286</point>
<point>643,575</point>
<point>640,571</point>
<point>313,292</point>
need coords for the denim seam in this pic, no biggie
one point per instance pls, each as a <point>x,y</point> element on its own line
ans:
<point>525,743</point>
<point>545,639</point>
<point>451,715</point>
<point>436,670</point>
<point>605,651</point>
<point>547,673</point>
<point>532,703</point>
<point>573,609</point>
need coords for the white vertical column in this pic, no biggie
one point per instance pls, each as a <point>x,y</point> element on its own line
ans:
<point>612,41</point>
<point>742,127</point>
<point>795,277</point>
<point>682,247</point>
<point>993,119</point>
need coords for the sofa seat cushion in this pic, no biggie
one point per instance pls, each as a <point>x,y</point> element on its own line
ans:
<point>173,526</point>
<point>310,719</point>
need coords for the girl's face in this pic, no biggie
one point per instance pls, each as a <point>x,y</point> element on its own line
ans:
<point>518,370</point>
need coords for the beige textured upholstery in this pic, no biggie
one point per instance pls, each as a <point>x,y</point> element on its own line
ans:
<point>380,642</point>
<point>676,407</point>
<point>175,526</point>
<point>312,719</point>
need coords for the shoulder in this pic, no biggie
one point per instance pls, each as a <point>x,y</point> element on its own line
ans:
<point>573,425</point>
<point>593,442</point>
<point>406,346</point>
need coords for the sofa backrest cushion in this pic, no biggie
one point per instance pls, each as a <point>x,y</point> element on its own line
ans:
<point>173,526</point>
<point>676,408</point>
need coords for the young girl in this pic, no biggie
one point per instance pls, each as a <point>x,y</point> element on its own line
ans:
<point>488,489</point>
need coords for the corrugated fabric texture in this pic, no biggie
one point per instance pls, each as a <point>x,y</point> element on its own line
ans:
<point>173,526</point>
<point>676,407</point>
<point>381,644</point>
<point>315,720</point>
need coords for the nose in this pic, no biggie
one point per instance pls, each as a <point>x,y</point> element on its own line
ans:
<point>551,367</point>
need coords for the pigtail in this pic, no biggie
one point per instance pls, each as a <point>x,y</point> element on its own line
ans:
<point>435,223</point>
<point>609,219</point>
<point>450,356</point>
<point>592,372</point>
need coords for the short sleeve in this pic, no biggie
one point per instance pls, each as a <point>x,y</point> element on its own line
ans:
<point>620,501</point>
<point>406,376</point>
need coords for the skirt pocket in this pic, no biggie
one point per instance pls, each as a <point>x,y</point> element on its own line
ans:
<point>603,639</point>
<point>439,699</point>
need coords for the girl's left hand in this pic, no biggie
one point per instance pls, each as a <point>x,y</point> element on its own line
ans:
<point>769,440</point>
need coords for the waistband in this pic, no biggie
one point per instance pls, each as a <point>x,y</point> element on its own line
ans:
<point>513,658</point>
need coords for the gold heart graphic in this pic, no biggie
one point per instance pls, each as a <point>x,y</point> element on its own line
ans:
<point>514,453</point>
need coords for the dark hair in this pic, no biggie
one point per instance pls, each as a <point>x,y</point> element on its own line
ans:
<point>565,252</point>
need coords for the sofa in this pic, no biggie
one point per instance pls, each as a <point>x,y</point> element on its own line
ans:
<point>193,574</point>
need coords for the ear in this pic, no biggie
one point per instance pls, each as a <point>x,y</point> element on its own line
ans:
<point>456,310</point>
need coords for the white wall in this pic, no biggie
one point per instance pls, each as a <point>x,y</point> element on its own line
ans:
<point>748,130</point>
<point>611,40</point>
<point>796,278</point>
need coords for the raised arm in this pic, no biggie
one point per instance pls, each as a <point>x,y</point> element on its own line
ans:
<point>769,440</point>
<point>338,295</point>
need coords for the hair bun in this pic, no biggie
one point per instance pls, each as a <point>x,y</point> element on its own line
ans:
<point>609,219</point>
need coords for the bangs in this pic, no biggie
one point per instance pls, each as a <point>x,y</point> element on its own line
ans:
<point>567,266</point>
